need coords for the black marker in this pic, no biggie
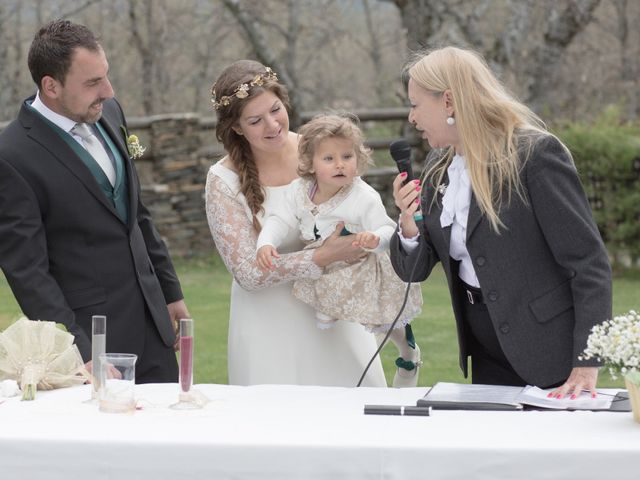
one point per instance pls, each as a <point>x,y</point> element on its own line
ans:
<point>397,410</point>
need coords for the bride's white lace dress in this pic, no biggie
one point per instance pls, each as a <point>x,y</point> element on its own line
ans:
<point>273,337</point>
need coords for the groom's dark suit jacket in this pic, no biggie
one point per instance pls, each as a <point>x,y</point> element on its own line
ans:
<point>545,277</point>
<point>64,250</point>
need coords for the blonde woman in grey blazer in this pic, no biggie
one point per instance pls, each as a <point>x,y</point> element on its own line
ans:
<point>501,206</point>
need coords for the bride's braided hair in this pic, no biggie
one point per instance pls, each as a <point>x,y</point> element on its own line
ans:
<point>243,72</point>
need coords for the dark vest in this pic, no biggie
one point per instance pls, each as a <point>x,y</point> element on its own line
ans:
<point>119,193</point>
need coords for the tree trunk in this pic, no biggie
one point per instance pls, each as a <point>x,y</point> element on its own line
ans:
<point>252,28</point>
<point>629,61</point>
<point>517,51</point>
<point>562,30</point>
<point>146,56</point>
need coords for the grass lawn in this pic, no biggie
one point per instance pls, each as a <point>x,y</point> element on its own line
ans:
<point>206,285</point>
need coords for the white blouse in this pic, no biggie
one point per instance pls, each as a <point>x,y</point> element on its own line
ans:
<point>455,213</point>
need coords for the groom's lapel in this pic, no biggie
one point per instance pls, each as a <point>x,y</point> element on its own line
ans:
<point>115,133</point>
<point>43,133</point>
<point>115,129</point>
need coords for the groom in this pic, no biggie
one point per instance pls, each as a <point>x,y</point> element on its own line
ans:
<point>75,237</point>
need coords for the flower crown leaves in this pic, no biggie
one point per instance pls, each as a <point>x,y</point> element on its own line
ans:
<point>242,91</point>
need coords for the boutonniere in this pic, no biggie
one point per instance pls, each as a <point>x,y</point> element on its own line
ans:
<point>133,144</point>
<point>442,188</point>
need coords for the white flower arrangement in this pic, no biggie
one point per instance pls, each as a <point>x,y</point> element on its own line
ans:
<point>617,343</point>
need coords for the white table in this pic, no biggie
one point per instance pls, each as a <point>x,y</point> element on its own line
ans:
<point>286,432</point>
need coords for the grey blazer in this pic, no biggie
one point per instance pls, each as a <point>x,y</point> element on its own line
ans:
<point>546,278</point>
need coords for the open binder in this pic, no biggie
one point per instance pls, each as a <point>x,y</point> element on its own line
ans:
<point>457,396</point>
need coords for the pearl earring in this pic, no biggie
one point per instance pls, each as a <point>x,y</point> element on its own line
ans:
<point>451,121</point>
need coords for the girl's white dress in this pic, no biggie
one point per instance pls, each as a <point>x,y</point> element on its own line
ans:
<point>273,336</point>
<point>367,292</point>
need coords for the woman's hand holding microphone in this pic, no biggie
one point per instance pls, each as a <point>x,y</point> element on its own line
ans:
<point>407,199</point>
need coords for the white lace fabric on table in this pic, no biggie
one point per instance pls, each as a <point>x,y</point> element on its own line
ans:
<point>40,353</point>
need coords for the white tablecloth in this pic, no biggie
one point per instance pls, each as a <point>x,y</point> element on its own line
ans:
<point>287,432</point>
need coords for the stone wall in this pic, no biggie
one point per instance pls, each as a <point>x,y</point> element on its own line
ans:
<point>172,174</point>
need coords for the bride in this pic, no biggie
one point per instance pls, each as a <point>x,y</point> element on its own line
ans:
<point>273,337</point>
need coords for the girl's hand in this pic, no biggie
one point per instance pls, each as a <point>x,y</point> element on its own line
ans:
<point>366,240</point>
<point>264,256</point>
<point>407,199</point>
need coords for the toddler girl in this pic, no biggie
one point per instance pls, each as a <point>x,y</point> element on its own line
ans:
<point>330,191</point>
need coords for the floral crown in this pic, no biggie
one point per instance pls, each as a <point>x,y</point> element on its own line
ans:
<point>242,91</point>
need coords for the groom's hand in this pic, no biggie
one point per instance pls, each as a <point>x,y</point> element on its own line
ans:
<point>177,310</point>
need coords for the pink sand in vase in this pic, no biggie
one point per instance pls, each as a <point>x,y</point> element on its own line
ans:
<point>186,363</point>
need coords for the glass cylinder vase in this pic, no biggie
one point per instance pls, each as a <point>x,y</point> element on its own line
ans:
<point>186,399</point>
<point>186,355</point>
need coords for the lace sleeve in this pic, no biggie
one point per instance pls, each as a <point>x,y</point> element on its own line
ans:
<point>235,240</point>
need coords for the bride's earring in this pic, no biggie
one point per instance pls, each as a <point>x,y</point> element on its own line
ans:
<point>451,121</point>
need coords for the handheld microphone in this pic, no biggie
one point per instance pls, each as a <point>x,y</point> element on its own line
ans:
<point>401,153</point>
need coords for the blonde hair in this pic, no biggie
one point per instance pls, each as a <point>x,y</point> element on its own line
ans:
<point>496,131</point>
<point>325,126</point>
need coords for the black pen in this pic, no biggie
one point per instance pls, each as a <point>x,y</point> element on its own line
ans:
<point>397,410</point>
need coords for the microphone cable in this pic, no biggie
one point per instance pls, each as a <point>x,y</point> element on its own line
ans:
<point>401,154</point>
<point>395,320</point>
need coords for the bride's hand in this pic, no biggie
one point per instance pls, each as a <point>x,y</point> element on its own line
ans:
<point>337,248</point>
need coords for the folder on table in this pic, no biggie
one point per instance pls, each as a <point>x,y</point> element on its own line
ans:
<point>457,396</point>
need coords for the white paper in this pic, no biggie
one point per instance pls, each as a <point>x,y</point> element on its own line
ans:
<point>537,397</point>
<point>508,395</point>
<point>474,393</point>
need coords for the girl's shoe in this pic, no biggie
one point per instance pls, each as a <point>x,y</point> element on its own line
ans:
<point>407,371</point>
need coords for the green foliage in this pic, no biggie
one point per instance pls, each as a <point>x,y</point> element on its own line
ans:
<point>607,156</point>
<point>388,130</point>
